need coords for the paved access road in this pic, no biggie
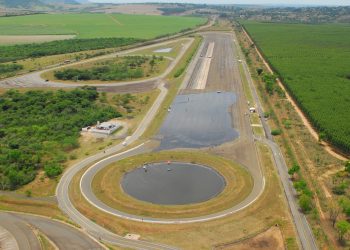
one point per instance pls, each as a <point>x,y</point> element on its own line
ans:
<point>304,231</point>
<point>64,236</point>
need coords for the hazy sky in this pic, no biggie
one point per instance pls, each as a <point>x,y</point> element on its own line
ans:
<point>284,2</point>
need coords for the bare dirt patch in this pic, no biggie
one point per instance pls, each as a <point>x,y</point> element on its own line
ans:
<point>8,40</point>
<point>270,239</point>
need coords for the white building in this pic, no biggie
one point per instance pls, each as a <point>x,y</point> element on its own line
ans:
<point>106,127</point>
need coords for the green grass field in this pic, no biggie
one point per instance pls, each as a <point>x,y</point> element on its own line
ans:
<point>97,25</point>
<point>314,64</point>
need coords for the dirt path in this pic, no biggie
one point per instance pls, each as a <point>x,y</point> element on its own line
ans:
<point>115,20</point>
<point>305,121</point>
<point>325,176</point>
<point>270,239</point>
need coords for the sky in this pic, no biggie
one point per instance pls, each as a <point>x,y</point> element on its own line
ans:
<point>274,2</point>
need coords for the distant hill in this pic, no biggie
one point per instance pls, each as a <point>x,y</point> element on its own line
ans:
<point>60,1</point>
<point>21,3</point>
<point>32,4</point>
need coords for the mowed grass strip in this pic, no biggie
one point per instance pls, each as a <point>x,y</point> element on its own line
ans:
<point>97,25</point>
<point>313,62</point>
<point>106,185</point>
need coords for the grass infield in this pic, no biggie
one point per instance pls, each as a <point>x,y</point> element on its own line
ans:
<point>106,185</point>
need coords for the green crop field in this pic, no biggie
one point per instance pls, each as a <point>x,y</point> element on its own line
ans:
<point>97,25</point>
<point>314,64</point>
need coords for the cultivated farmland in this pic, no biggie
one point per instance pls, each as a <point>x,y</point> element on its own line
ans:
<point>314,63</point>
<point>97,25</point>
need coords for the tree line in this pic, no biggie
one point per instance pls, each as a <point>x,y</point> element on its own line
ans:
<point>34,50</point>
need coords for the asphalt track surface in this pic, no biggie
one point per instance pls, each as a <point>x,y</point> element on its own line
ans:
<point>192,123</point>
<point>7,240</point>
<point>62,235</point>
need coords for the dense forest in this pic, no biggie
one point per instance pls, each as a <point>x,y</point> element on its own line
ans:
<point>23,51</point>
<point>37,128</point>
<point>129,67</point>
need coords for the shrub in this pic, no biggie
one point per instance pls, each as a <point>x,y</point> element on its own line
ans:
<point>179,72</point>
<point>275,132</point>
<point>339,189</point>
<point>53,170</point>
<point>305,203</point>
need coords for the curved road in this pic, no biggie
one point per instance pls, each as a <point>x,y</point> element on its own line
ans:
<point>64,236</point>
<point>63,187</point>
<point>34,79</point>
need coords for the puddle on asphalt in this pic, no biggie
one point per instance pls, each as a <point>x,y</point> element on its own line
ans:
<point>198,120</point>
<point>173,184</point>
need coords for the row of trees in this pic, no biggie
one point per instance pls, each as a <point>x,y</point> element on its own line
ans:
<point>37,128</point>
<point>335,208</point>
<point>8,68</point>
<point>23,51</point>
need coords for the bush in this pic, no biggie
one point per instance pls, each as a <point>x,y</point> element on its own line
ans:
<point>305,203</point>
<point>340,189</point>
<point>53,170</point>
<point>345,205</point>
<point>343,228</point>
<point>275,132</point>
<point>179,72</point>
<point>28,193</point>
<point>259,71</point>
<point>347,166</point>
<point>294,169</point>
